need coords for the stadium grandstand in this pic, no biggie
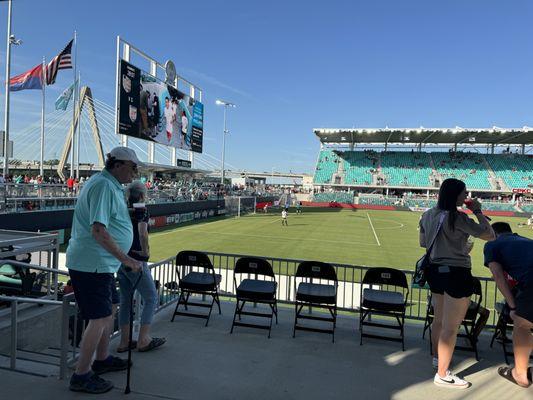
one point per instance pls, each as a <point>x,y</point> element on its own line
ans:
<point>388,167</point>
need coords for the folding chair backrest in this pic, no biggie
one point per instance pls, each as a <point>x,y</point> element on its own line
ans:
<point>253,265</point>
<point>316,270</point>
<point>385,276</point>
<point>191,258</point>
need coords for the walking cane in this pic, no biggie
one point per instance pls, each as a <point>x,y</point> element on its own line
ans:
<point>127,390</point>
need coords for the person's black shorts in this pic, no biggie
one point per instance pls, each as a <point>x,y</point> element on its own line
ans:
<point>455,281</point>
<point>524,302</point>
<point>115,298</point>
<point>95,293</point>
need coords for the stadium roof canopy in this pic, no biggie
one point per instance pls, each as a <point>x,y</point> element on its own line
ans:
<point>457,135</point>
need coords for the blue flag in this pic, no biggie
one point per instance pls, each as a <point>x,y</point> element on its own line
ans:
<point>62,101</point>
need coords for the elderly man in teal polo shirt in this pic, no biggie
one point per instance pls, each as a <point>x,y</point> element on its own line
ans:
<point>101,237</point>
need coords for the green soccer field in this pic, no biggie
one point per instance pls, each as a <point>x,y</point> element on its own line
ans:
<point>359,237</point>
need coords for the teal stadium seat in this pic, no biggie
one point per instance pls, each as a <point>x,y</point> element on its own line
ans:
<point>424,203</point>
<point>339,197</point>
<point>527,208</point>
<point>357,166</point>
<point>406,169</point>
<point>468,167</point>
<point>493,206</point>
<point>326,166</point>
<point>377,201</point>
<point>515,169</point>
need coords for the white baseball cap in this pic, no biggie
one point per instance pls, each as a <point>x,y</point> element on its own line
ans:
<point>125,154</point>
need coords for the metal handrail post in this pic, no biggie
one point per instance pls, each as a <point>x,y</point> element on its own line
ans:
<point>65,317</point>
<point>14,321</point>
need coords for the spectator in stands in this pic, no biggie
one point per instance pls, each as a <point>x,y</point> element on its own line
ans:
<point>449,275</point>
<point>140,250</point>
<point>101,237</point>
<point>70,184</point>
<point>513,254</point>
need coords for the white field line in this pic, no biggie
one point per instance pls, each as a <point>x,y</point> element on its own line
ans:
<point>373,230</point>
<point>285,238</point>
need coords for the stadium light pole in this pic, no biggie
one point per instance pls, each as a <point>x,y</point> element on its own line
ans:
<point>11,39</point>
<point>226,104</point>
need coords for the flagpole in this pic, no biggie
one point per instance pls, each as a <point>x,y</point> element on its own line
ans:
<point>6,110</point>
<point>78,136</point>
<point>43,85</point>
<point>74,107</point>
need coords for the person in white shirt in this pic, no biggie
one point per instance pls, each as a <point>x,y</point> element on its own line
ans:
<point>184,128</point>
<point>284,218</point>
<point>169,117</point>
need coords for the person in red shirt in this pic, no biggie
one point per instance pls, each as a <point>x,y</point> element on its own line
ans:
<point>70,184</point>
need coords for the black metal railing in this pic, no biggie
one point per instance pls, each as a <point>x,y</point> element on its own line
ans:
<point>349,276</point>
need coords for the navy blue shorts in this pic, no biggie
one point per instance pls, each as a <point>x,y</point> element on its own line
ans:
<point>524,302</point>
<point>95,293</point>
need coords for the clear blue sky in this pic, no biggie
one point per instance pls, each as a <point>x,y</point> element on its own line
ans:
<point>292,66</point>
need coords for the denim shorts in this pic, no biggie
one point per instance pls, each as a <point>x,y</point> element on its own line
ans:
<point>95,293</point>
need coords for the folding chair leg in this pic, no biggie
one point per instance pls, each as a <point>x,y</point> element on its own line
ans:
<point>240,310</point>
<point>210,309</point>
<point>234,316</point>
<point>505,350</point>
<point>218,302</point>
<point>186,300</point>
<point>271,318</point>
<point>295,319</point>
<point>402,332</point>
<point>430,340</point>
<point>361,319</point>
<point>177,305</point>
<point>274,311</point>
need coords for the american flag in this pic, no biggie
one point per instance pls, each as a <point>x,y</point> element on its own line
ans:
<point>62,61</point>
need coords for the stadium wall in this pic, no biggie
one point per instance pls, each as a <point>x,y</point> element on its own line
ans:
<point>402,208</point>
<point>62,219</point>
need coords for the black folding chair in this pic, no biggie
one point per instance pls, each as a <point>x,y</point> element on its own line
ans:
<point>389,300</point>
<point>255,290</point>
<point>470,320</point>
<point>204,283</point>
<point>317,295</point>
<point>504,326</point>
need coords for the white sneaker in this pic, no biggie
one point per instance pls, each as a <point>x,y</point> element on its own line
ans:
<point>435,363</point>
<point>451,381</point>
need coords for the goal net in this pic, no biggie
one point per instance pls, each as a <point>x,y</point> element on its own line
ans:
<point>240,205</point>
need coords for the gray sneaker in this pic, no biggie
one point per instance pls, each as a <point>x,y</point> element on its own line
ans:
<point>94,384</point>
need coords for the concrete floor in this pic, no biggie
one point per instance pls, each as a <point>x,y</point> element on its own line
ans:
<point>200,363</point>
